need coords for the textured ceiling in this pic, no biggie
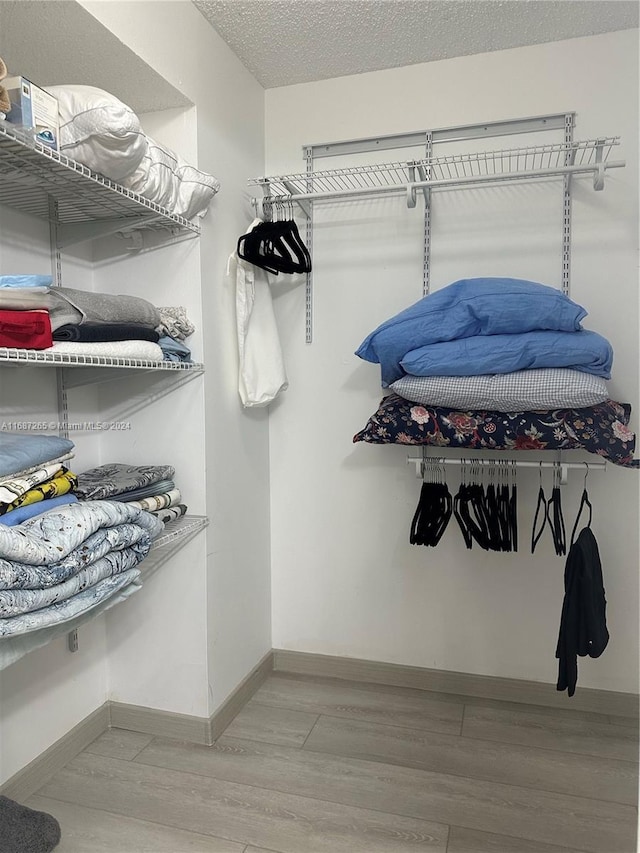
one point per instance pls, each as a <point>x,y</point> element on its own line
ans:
<point>296,41</point>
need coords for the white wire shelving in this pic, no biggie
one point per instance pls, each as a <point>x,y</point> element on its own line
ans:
<point>14,355</point>
<point>88,204</point>
<point>175,536</point>
<point>591,156</point>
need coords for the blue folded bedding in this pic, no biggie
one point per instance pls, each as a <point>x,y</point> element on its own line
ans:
<point>26,280</point>
<point>20,451</point>
<point>23,513</point>
<point>586,351</point>
<point>468,308</point>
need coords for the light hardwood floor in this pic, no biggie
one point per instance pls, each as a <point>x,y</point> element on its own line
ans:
<point>315,765</point>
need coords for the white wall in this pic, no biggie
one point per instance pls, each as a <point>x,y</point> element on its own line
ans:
<point>50,690</point>
<point>203,620</point>
<point>184,49</point>
<point>345,580</point>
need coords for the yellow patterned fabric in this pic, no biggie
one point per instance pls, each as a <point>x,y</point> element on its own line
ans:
<point>62,483</point>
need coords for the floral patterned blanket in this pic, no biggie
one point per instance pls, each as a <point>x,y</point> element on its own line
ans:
<point>602,429</point>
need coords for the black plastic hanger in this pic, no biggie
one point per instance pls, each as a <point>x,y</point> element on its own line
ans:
<point>433,511</point>
<point>555,517</point>
<point>541,505</point>
<point>584,501</point>
<point>275,245</point>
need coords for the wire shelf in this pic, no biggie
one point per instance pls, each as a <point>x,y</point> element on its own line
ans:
<point>177,530</point>
<point>31,173</point>
<point>176,534</point>
<point>586,156</point>
<point>13,355</point>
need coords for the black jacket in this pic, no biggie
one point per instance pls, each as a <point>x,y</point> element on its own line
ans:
<point>583,626</point>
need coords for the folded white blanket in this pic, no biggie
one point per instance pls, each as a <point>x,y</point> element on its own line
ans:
<point>141,350</point>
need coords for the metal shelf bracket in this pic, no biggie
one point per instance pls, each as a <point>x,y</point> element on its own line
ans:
<point>598,177</point>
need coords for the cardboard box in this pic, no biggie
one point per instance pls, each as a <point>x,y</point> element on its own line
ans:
<point>33,109</point>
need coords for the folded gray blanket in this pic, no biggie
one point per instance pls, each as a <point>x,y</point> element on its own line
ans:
<point>109,308</point>
<point>107,481</point>
<point>68,306</point>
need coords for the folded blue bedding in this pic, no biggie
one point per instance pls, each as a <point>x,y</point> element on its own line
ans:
<point>26,280</point>
<point>467,308</point>
<point>586,351</point>
<point>23,513</point>
<point>20,451</point>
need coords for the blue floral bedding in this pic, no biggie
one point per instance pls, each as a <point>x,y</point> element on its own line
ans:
<point>602,429</point>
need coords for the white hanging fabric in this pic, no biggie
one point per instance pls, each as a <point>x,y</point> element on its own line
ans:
<point>261,375</point>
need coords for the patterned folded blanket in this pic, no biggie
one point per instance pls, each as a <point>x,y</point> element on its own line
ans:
<point>161,488</point>
<point>171,513</point>
<point>17,601</point>
<point>158,501</point>
<point>63,483</point>
<point>18,475</point>
<point>15,575</point>
<point>70,608</point>
<point>116,478</point>
<point>50,537</point>
<point>14,488</point>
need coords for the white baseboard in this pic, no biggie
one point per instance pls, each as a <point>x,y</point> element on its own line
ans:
<point>205,730</point>
<point>23,783</point>
<point>135,718</point>
<point>460,683</point>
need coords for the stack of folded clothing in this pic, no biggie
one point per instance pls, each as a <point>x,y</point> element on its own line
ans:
<point>75,322</point>
<point>145,487</point>
<point>65,562</point>
<point>497,363</point>
<point>24,322</point>
<point>34,476</point>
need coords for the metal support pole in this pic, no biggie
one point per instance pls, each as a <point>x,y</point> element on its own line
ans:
<point>426,242</point>
<point>308,153</point>
<point>63,403</point>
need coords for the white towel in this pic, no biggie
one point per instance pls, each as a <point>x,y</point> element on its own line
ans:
<point>142,350</point>
<point>262,374</point>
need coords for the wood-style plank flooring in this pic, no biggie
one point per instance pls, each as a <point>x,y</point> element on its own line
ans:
<point>315,765</point>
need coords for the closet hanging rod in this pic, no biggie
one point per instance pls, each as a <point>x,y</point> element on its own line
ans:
<point>585,467</point>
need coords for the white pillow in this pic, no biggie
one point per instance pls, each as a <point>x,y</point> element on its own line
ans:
<point>154,178</point>
<point>195,192</point>
<point>99,130</point>
<point>521,391</point>
<point>165,178</point>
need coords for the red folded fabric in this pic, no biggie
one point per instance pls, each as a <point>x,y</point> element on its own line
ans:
<point>25,329</point>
